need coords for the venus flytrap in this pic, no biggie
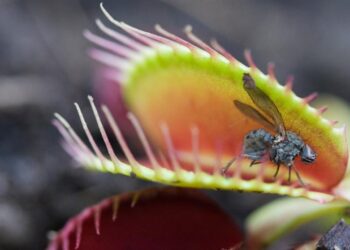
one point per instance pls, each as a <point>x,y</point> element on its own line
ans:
<point>280,217</point>
<point>180,96</point>
<point>158,218</point>
<point>264,226</point>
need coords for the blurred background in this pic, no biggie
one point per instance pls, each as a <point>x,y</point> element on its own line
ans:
<point>44,69</point>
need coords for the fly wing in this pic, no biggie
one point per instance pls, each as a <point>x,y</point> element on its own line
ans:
<point>264,102</point>
<point>254,114</point>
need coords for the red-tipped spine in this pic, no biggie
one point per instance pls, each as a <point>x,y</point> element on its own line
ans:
<point>333,122</point>
<point>289,83</point>
<point>322,109</point>
<point>271,71</point>
<point>248,57</point>
<point>173,37</point>
<point>310,98</point>
<point>109,45</point>
<point>222,51</point>
<point>198,41</point>
<point>79,230</point>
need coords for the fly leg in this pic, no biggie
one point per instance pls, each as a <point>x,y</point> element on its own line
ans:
<point>277,170</point>
<point>254,162</point>
<point>289,172</point>
<point>228,165</point>
<point>298,176</point>
<point>296,172</point>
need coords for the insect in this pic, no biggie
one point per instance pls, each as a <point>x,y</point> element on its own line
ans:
<point>259,145</point>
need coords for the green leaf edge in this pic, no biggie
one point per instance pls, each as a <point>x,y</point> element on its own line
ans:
<point>301,212</point>
<point>160,54</point>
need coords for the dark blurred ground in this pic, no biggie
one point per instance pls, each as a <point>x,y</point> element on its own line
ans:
<point>44,68</point>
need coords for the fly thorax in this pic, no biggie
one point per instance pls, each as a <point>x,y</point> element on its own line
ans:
<point>278,138</point>
<point>295,139</point>
<point>285,151</point>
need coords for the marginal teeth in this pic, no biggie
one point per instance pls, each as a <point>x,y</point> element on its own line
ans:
<point>131,51</point>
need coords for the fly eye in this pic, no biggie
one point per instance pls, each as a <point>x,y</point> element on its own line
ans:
<point>307,154</point>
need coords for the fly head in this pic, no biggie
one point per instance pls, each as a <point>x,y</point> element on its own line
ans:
<point>307,154</point>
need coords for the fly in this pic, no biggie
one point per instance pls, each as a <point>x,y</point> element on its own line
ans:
<point>281,148</point>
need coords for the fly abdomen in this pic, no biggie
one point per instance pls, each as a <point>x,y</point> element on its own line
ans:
<point>256,144</point>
